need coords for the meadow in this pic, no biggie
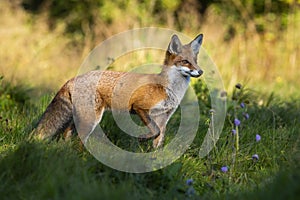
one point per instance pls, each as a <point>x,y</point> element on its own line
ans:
<point>257,155</point>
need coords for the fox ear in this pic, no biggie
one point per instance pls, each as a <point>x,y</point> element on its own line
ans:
<point>175,45</point>
<point>196,44</point>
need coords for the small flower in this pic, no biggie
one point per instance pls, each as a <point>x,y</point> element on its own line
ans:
<point>255,157</point>
<point>233,131</point>
<point>224,169</point>
<point>246,115</point>
<point>189,182</point>
<point>238,86</point>
<point>212,111</point>
<point>242,105</point>
<point>257,138</point>
<point>237,122</point>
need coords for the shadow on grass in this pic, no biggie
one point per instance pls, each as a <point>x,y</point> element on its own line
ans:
<point>57,171</point>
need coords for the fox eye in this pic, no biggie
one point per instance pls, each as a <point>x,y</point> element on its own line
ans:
<point>185,62</point>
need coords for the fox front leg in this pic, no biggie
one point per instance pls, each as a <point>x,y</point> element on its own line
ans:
<point>160,121</point>
<point>150,123</point>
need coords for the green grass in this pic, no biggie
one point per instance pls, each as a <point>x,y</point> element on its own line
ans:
<point>63,170</point>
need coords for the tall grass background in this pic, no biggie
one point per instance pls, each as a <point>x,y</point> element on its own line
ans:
<point>267,60</point>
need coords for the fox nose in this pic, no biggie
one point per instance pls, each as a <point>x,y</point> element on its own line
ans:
<point>200,72</point>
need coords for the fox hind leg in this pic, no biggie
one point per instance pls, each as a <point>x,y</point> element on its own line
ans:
<point>99,110</point>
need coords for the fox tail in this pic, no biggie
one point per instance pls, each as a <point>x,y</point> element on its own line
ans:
<point>57,117</point>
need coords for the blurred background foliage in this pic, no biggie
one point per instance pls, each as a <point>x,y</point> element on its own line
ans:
<point>83,16</point>
<point>255,42</point>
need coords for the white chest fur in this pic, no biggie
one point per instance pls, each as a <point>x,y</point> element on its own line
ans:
<point>178,84</point>
<point>176,88</point>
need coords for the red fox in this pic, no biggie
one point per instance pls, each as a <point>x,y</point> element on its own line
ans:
<point>154,103</point>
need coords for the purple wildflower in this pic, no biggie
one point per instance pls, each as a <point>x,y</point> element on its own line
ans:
<point>242,105</point>
<point>224,169</point>
<point>255,157</point>
<point>237,122</point>
<point>246,115</point>
<point>257,138</point>
<point>189,182</point>
<point>233,131</point>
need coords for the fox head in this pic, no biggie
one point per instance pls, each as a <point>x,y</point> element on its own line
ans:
<point>184,57</point>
